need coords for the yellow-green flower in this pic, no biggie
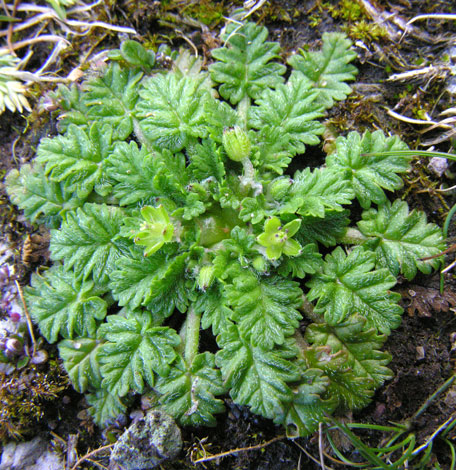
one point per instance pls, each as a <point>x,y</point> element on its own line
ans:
<point>155,231</point>
<point>276,238</point>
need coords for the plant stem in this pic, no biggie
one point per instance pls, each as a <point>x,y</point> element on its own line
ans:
<point>308,309</point>
<point>192,329</point>
<point>353,237</point>
<point>243,110</point>
<point>140,135</point>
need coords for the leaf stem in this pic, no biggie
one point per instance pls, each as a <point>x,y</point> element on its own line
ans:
<point>140,135</point>
<point>192,329</point>
<point>243,110</point>
<point>308,309</point>
<point>353,237</point>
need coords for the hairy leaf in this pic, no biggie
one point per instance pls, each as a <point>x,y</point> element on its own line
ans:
<point>265,309</point>
<point>361,343</point>
<point>81,362</point>
<point>132,171</point>
<point>72,102</point>
<point>206,161</point>
<point>88,241</point>
<point>112,98</point>
<point>216,313</point>
<point>328,69</point>
<point>42,201</point>
<point>290,109</point>
<point>273,153</point>
<point>314,192</point>
<point>307,262</point>
<point>346,389</point>
<point>327,231</point>
<point>401,239</point>
<point>171,111</point>
<point>369,174</point>
<point>245,66</point>
<point>105,406</point>
<point>256,377</point>
<point>188,392</point>
<point>307,409</point>
<point>63,304</point>
<point>349,284</point>
<point>76,158</point>
<point>140,280</point>
<point>134,351</point>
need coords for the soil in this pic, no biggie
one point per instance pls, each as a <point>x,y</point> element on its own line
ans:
<point>422,347</point>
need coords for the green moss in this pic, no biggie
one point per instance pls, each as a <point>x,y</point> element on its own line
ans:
<point>23,396</point>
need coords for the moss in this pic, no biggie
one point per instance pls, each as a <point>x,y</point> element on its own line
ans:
<point>24,395</point>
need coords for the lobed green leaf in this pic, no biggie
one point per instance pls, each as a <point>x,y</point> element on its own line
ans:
<point>170,112</point>
<point>188,392</point>
<point>112,98</point>
<point>349,284</point>
<point>369,174</point>
<point>42,201</point>
<point>402,239</point>
<point>265,309</point>
<point>291,110</point>
<point>244,67</point>
<point>329,68</point>
<point>64,304</point>
<point>361,343</point>
<point>80,359</point>
<point>76,158</point>
<point>254,376</point>
<point>134,351</point>
<point>89,241</point>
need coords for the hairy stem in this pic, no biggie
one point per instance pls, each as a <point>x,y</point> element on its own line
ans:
<point>192,329</point>
<point>243,110</point>
<point>308,309</point>
<point>353,237</point>
<point>140,135</point>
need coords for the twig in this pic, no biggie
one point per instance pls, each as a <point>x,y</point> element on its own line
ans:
<point>28,42</point>
<point>400,117</point>
<point>10,28</point>
<point>252,8</point>
<point>27,316</point>
<point>320,445</point>
<point>100,24</point>
<point>437,16</point>
<point>235,451</point>
<point>310,456</point>
<point>38,19</point>
<point>90,454</point>
<point>425,71</point>
<point>94,462</point>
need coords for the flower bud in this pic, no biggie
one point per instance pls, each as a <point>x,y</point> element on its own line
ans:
<point>236,144</point>
<point>259,263</point>
<point>279,187</point>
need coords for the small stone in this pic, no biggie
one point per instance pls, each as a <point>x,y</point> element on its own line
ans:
<point>148,442</point>
<point>420,353</point>
<point>438,165</point>
<point>31,455</point>
<point>40,357</point>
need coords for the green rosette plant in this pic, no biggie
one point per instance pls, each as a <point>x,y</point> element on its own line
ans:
<point>174,217</point>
